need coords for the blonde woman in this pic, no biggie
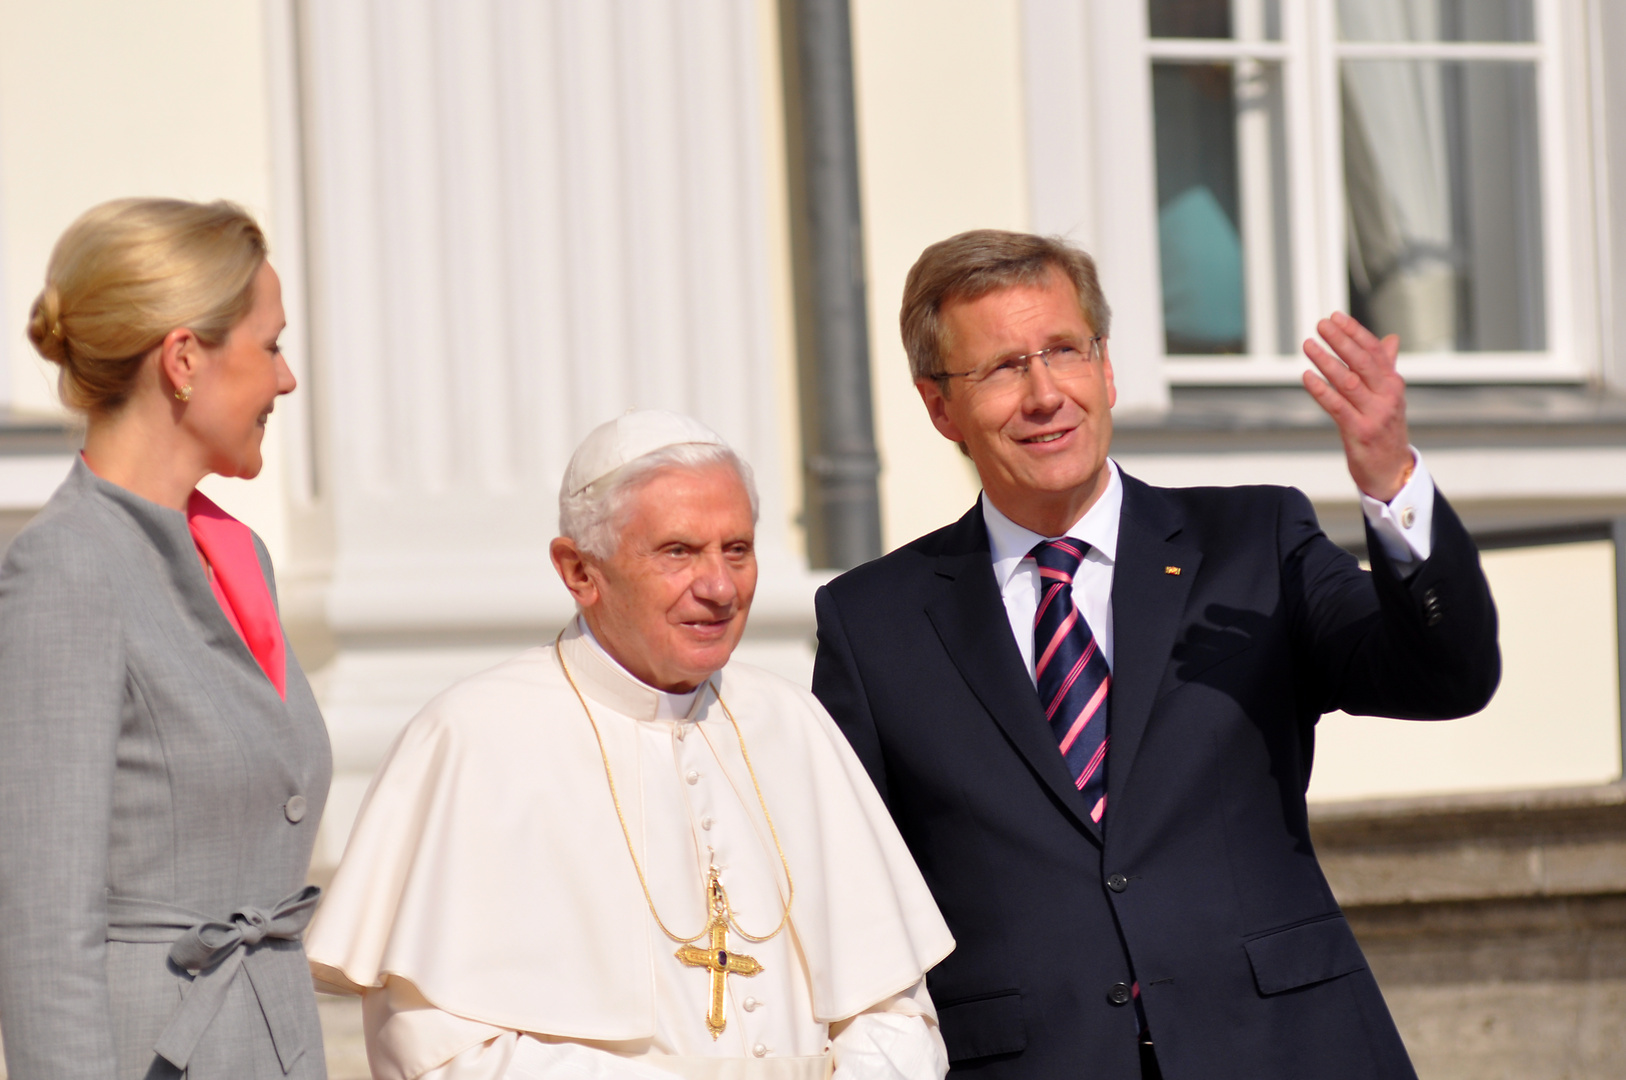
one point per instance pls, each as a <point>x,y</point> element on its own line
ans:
<point>162,761</point>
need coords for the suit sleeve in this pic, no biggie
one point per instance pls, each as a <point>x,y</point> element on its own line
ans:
<point>1421,647</point>
<point>62,690</point>
<point>840,689</point>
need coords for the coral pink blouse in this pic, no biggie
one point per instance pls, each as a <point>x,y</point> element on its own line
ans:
<point>239,585</point>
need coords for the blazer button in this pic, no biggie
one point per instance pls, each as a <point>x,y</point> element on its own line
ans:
<point>1117,882</point>
<point>294,809</point>
<point>1119,994</point>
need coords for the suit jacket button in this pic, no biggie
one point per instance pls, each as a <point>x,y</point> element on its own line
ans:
<point>1117,882</point>
<point>1119,994</point>
<point>294,809</point>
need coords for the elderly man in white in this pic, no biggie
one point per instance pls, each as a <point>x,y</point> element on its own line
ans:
<point>622,855</point>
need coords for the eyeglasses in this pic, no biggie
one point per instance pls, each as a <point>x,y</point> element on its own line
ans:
<point>1066,361</point>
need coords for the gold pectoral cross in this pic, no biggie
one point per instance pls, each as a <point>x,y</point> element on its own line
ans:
<point>717,959</point>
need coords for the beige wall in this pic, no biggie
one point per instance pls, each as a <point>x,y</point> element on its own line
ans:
<point>941,149</point>
<point>101,100</point>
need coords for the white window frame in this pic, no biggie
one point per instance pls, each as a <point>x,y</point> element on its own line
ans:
<point>1105,198</point>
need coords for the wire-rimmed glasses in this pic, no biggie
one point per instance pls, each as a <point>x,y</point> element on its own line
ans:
<point>1065,361</point>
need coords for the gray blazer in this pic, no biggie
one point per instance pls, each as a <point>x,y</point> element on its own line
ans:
<point>158,804</point>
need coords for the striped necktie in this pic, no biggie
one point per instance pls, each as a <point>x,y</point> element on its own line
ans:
<point>1072,674</point>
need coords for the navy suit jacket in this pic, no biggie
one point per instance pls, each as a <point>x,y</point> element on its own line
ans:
<point>1237,624</point>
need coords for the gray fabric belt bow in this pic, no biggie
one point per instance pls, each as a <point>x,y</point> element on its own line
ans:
<point>213,952</point>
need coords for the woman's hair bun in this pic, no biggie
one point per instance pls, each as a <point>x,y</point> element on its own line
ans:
<point>128,272</point>
<point>45,326</point>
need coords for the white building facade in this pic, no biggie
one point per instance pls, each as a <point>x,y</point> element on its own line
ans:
<point>502,223</point>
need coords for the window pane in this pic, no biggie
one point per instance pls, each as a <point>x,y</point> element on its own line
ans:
<point>1437,20</point>
<point>1443,201</point>
<point>1222,207</point>
<point>1247,20</point>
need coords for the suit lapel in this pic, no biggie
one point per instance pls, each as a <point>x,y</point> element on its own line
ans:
<point>166,532</point>
<point>970,620</point>
<point>1148,602</point>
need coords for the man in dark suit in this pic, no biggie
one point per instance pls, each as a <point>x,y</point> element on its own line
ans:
<point>1090,703</point>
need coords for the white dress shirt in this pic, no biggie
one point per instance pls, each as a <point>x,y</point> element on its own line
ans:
<point>1404,526</point>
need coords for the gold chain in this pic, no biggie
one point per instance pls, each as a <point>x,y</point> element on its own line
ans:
<point>627,834</point>
<point>783,862</point>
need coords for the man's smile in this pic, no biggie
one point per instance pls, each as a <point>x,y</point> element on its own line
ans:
<point>707,626</point>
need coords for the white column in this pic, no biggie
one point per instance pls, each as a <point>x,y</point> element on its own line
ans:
<point>525,218</point>
<point>1257,86</point>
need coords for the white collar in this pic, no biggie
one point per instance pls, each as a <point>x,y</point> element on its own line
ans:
<point>667,706</point>
<point>1010,543</point>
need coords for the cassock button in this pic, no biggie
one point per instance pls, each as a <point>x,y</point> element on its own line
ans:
<point>706,823</point>
<point>751,1004</point>
<point>759,1050</point>
<point>692,777</point>
<point>1117,882</point>
<point>1119,994</point>
<point>294,809</point>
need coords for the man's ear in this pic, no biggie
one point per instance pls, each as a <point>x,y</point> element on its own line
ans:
<point>180,355</point>
<point>1106,373</point>
<point>931,392</point>
<point>571,565</point>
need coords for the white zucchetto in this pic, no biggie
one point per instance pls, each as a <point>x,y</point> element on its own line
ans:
<point>627,438</point>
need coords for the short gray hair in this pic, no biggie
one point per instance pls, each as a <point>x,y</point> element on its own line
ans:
<point>976,263</point>
<point>592,518</point>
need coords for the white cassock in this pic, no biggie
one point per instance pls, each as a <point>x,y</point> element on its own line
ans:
<point>488,911</point>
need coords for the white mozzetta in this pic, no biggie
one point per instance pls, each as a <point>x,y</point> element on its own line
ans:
<point>488,869</point>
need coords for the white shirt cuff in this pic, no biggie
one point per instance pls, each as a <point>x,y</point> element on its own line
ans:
<point>889,1046</point>
<point>1405,524</point>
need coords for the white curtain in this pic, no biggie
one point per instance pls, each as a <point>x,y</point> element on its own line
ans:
<point>1397,177</point>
